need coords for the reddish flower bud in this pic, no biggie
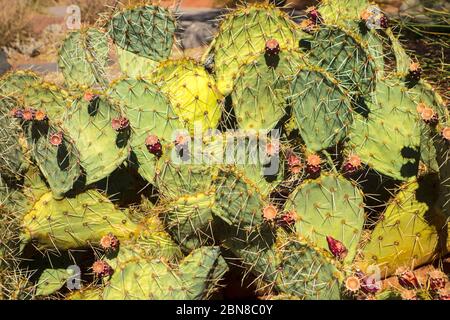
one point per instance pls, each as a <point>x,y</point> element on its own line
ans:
<point>314,15</point>
<point>436,280</point>
<point>16,113</point>
<point>337,248</point>
<point>406,278</point>
<point>288,219</point>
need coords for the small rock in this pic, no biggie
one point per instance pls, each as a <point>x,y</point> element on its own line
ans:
<point>197,34</point>
<point>4,65</point>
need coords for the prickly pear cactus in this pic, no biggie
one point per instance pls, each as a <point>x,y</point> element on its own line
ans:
<point>300,156</point>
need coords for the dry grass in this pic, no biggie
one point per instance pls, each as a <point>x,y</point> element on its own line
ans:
<point>13,20</point>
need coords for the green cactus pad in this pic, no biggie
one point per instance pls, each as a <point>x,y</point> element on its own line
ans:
<point>138,278</point>
<point>13,159</point>
<point>192,92</point>
<point>288,264</point>
<point>262,88</point>
<point>13,83</point>
<point>345,55</point>
<point>321,108</point>
<point>408,234</point>
<point>102,149</point>
<point>191,172</point>
<point>35,93</point>
<point>342,11</point>
<point>189,219</point>
<point>133,65</point>
<point>243,33</point>
<point>149,112</point>
<point>238,201</point>
<point>75,222</point>
<point>132,28</point>
<point>59,164</point>
<point>386,135</point>
<point>83,57</point>
<point>331,206</point>
<point>52,280</point>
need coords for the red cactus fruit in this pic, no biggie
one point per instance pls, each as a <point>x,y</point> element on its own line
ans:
<point>272,47</point>
<point>337,248</point>
<point>384,22</point>
<point>436,280</point>
<point>353,284</point>
<point>314,15</point>
<point>288,219</point>
<point>102,269</point>
<point>352,164</point>
<point>294,163</point>
<point>406,278</point>
<point>120,123</point>
<point>27,114</point>
<point>370,285</point>
<point>313,163</point>
<point>40,115</point>
<point>270,212</point>
<point>56,139</point>
<point>109,242</point>
<point>153,145</point>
